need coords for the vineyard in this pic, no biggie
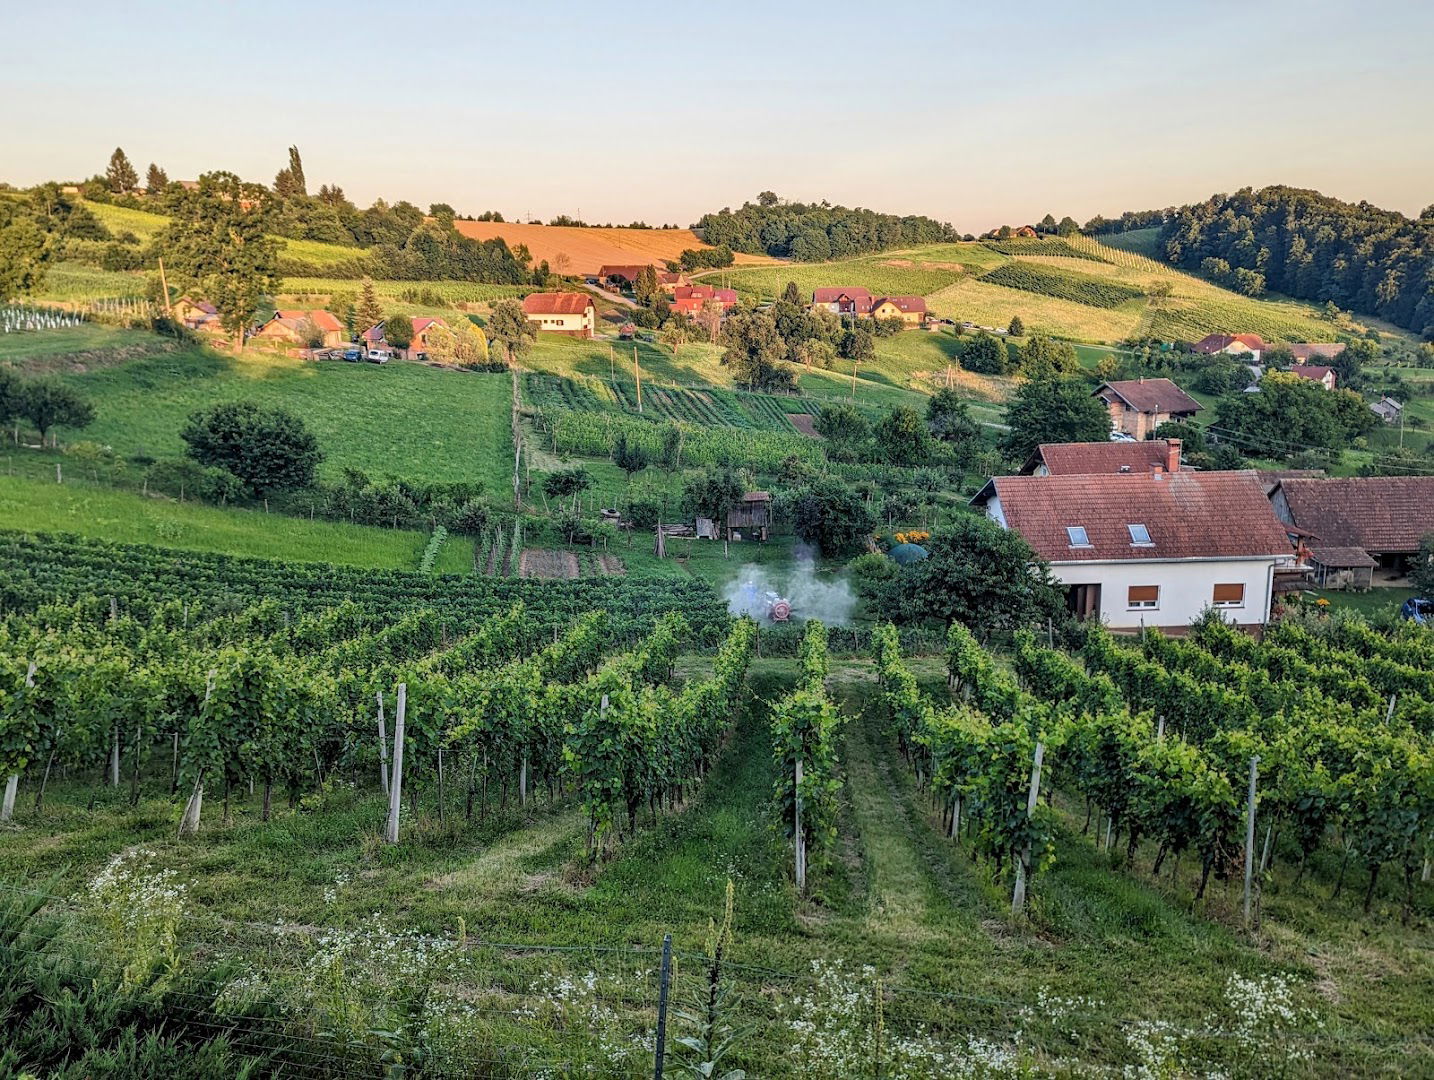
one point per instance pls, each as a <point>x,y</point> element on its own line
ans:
<point>709,407</point>
<point>1047,245</point>
<point>1062,284</point>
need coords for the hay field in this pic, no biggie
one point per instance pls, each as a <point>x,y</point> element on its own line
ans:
<point>588,249</point>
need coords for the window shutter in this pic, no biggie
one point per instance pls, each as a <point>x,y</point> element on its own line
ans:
<point>1230,594</point>
<point>1144,594</point>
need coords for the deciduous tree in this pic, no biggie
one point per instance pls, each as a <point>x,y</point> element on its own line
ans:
<point>48,403</point>
<point>268,448</point>
<point>509,328</point>
<point>1053,409</point>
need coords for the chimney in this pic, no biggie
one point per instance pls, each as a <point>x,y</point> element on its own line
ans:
<point>1172,455</point>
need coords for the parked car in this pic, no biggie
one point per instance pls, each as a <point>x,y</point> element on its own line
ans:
<point>353,356</point>
<point>1121,436</point>
<point>1418,610</point>
<point>590,281</point>
<point>379,356</point>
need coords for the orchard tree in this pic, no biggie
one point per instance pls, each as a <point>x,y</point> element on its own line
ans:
<point>398,331</point>
<point>120,176</point>
<point>829,515</point>
<point>630,457</point>
<point>1044,355</point>
<point>568,484</point>
<point>986,354</point>
<point>711,493</point>
<point>1053,409</point>
<point>509,328</point>
<point>756,352</point>
<point>842,425</point>
<point>949,420</point>
<point>902,437</point>
<point>267,447</point>
<point>217,245</point>
<point>49,403</point>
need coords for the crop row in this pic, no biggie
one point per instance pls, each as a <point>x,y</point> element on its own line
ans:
<point>1042,246</point>
<point>1062,284</point>
<point>677,443</point>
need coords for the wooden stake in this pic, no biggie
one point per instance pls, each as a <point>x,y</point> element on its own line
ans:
<point>801,844</point>
<point>1023,866</point>
<point>395,792</point>
<point>382,746</point>
<point>164,288</point>
<point>1250,838</point>
<point>189,823</point>
<point>12,784</point>
<point>637,374</point>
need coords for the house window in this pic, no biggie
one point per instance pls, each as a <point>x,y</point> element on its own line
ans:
<point>1077,536</point>
<point>1139,536</point>
<point>1140,597</point>
<point>1231,595</point>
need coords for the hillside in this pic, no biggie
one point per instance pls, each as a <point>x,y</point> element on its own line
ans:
<point>1083,288</point>
<point>588,249</point>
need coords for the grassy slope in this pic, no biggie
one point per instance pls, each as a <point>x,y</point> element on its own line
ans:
<point>20,348</point>
<point>899,897</point>
<point>401,419</point>
<point>104,513</point>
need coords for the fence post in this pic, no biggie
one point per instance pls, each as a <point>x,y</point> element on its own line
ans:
<point>1250,836</point>
<point>395,787</point>
<point>382,745</point>
<point>664,985</point>
<point>798,839</point>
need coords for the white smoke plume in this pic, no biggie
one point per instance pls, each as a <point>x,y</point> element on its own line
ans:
<point>813,594</point>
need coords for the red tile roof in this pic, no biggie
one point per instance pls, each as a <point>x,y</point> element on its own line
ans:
<point>556,303</point>
<point>905,303</point>
<point>627,273</point>
<point>831,294</point>
<point>1340,557</point>
<point>1189,515</point>
<point>1325,350</point>
<point>1151,395</point>
<point>325,320</point>
<point>1084,458</point>
<point>1317,372</point>
<point>1213,343</point>
<point>1376,513</point>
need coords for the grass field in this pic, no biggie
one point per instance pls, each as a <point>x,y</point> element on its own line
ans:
<point>30,350</point>
<point>72,283</point>
<point>889,274</point>
<point>107,514</point>
<point>1107,952</point>
<point>398,419</point>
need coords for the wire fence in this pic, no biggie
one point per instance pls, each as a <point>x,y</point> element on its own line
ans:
<point>370,1000</point>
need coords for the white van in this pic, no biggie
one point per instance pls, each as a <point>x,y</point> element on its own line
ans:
<point>379,356</point>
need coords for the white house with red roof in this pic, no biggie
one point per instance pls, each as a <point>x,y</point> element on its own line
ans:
<point>1150,548</point>
<point>1315,373</point>
<point>570,313</point>
<point>860,303</point>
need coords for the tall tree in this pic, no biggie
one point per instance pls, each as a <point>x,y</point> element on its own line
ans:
<point>398,331</point>
<point>156,180</point>
<point>791,294</point>
<point>120,176</point>
<point>1053,409</point>
<point>756,352</point>
<point>369,312</point>
<point>646,288</point>
<point>509,328</point>
<point>24,250</point>
<point>217,245</point>
<point>289,181</point>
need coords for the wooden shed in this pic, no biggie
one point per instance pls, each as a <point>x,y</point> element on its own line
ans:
<point>751,518</point>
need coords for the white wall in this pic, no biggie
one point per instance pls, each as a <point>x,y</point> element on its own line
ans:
<point>1186,589</point>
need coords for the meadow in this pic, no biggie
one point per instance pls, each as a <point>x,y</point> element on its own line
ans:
<point>87,509</point>
<point>398,419</point>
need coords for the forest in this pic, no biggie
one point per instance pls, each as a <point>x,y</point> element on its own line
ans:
<point>1312,247</point>
<point>815,232</point>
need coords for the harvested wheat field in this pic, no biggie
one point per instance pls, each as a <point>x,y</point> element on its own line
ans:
<point>589,249</point>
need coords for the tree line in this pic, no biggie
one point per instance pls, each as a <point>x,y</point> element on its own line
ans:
<point>815,232</point>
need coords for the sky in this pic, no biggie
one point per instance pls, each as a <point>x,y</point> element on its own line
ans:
<point>977,114</point>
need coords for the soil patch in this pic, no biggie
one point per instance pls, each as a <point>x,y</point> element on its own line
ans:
<point>552,565</point>
<point>804,423</point>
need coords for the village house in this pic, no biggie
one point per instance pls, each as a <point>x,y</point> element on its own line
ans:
<point>289,326</point>
<point>1086,458</point>
<point>1315,373</point>
<point>1139,406</point>
<point>856,302</point>
<point>1152,549</point>
<point>1388,410</point>
<point>1244,345</point>
<point>911,310</point>
<point>670,280</point>
<point>570,313</point>
<point>1316,350</point>
<point>842,300</point>
<point>1383,517</point>
<point>197,314</point>
<point>374,338</point>
<point>624,276</point>
<point>690,299</point>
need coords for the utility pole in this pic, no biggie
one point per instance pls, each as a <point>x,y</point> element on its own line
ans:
<point>637,374</point>
<point>164,288</point>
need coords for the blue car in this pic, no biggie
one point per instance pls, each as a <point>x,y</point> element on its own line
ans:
<point>1418,610</point>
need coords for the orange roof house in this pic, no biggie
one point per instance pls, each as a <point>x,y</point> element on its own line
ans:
<point>287,324</point>
<point>1233,344</point>
<point>690,299</point>
<point>1086,458</point>
<point>423,325</point>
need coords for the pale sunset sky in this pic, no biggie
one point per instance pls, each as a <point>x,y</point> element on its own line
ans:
<point>977,114</point>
